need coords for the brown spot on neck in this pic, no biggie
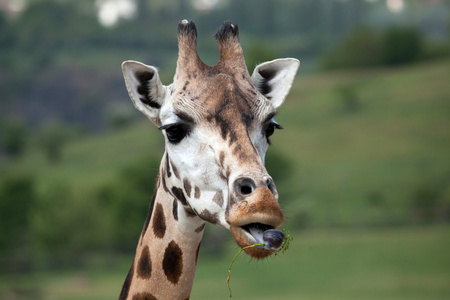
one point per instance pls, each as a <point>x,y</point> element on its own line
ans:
<point>144,266</point>
<point>159,221</point>
<point>173,262</point>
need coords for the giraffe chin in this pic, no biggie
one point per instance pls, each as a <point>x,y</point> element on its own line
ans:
<point>243,238</point>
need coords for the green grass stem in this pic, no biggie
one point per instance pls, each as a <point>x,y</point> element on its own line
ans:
<point>229,269</point>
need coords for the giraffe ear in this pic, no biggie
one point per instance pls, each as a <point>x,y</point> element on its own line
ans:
<point>274,78</point>
<point>145,88</point>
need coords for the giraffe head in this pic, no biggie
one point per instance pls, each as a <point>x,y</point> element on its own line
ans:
<point>217,121</point>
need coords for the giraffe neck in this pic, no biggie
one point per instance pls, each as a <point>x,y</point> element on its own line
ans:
<point>166,256</point>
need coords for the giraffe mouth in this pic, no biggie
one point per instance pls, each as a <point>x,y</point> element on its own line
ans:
<point>268,239</point>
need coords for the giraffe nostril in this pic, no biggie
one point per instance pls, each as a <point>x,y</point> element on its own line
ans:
<point>244,186</point>
<point>245,190</point>
<point>272,188</point>
<point>271,185</point>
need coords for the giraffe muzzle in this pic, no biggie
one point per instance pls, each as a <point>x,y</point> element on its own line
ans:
<point>255,218</point>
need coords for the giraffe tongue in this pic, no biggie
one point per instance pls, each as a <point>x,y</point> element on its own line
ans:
<point>271,238</point>
<point>257,233</point>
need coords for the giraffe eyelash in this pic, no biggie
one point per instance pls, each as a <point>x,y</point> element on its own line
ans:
<point>270,129</point>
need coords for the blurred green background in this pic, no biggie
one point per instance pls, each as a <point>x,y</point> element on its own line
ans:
<point>362,167</point>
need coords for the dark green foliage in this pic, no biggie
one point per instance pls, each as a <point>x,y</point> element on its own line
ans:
<point>65,229</point>
<point>13,135</point>
<point>17,200</point>
<point>362,48</point>
<point>55,219</point>
<point>127,200</point>
<point>401,46</point>
<point>17,197</point>
<point>368,48</point>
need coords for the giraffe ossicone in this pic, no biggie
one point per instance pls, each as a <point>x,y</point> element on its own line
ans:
<point>216,121</point>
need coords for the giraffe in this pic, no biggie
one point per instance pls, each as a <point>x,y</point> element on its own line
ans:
<point>216,121</point>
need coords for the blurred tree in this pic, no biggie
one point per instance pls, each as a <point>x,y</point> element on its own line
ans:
<point>401,46</point>
<point>13,135</point>
<point>361,48</point>
<point>366,48</point>
<point>127,200</point>
<point>17,198</point>
<point>65,227</point>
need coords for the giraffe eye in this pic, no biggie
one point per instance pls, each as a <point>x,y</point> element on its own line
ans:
<point>270,129</point>
<point>176,132</point>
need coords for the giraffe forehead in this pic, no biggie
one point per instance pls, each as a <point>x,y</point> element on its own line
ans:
<point>225,98</point>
